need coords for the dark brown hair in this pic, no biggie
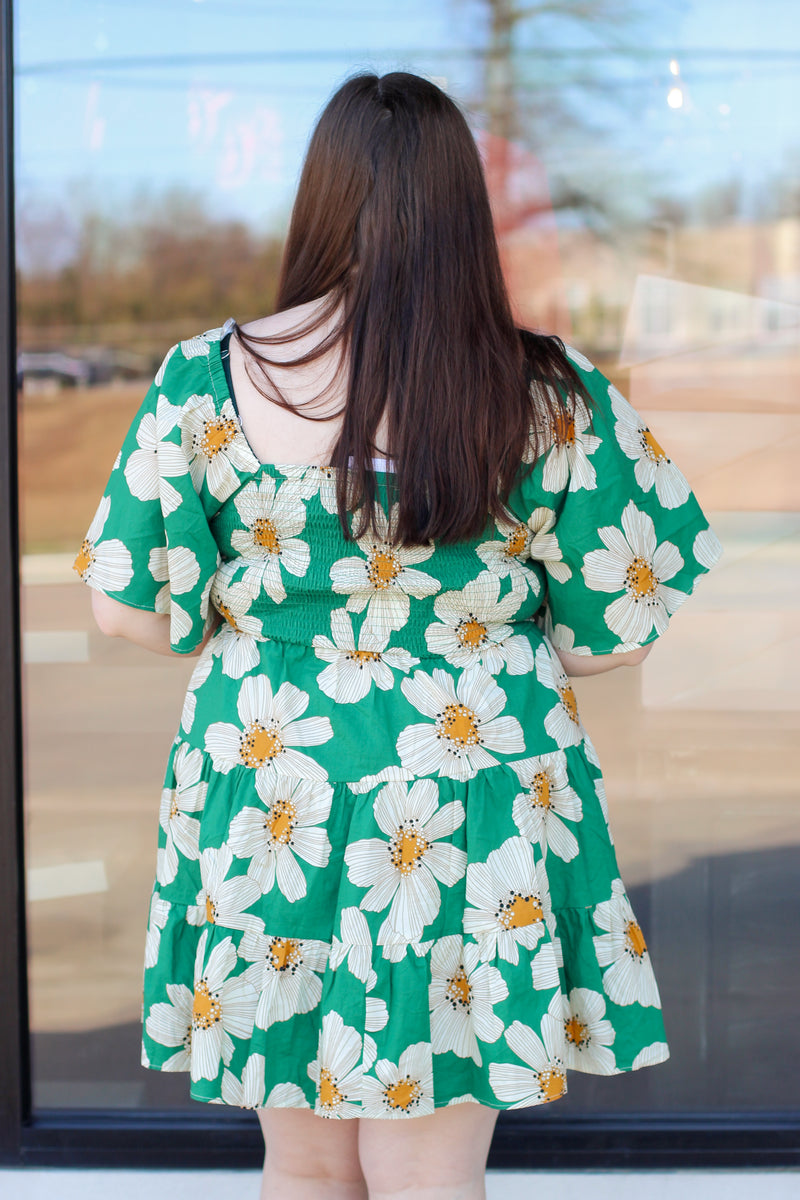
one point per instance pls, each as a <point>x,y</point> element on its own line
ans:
<point>392,226</point>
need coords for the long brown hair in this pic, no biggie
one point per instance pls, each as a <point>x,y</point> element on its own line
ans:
<point>392,227</point>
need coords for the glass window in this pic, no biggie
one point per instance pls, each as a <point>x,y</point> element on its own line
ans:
<point>644,175</point>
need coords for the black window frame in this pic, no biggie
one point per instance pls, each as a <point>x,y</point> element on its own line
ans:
<point>169,1139</point>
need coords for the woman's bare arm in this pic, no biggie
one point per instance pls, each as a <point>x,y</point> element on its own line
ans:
<point>596,664</point>
<point>147,629</point>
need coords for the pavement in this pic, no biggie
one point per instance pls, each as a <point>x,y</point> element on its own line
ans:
<point>45,1183</point>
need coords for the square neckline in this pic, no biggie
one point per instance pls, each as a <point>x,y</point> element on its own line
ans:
<point>222,381</point>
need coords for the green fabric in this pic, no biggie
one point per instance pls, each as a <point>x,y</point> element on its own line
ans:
<point>385,879</point>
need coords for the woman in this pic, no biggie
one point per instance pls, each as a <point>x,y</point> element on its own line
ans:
<point>385,884</point>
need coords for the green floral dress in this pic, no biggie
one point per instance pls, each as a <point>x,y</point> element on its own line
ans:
<point>384,879</point>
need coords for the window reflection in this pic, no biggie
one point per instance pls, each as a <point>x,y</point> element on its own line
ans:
<point>645,184</point>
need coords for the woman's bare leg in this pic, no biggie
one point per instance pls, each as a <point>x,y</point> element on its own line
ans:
<point>438,1157</point>
<point>309,1157</point>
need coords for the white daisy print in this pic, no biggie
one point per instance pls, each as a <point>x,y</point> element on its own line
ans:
<point>170,1024</point>
<point>402,1089</point>
<point>223,1008</point>
<point>462,993</point>
<point>376,1016</point>
<point>707,548</point>
<point>652,467</point>
<point>107,565</point>
<point>388,775</point>
<point>336,1070</point>
<point>352,669</point>
<point>319,481</point>
<point>214,445</point>
<point>198,677</point>
<point>588,1034</point>
<point>287,1095</point>
<point>405,869</point>
<point>562,637</point>
<point>385,579</point>
<point>149,469</point>
<point>562,722</point>
<point>579,359</point>
<point>511,899</point>
<point>545,965</point>
<point>287,828</point>
<point>178,805</point>
<point>629,977</point>
<point>177,568</point>
<point>473,627</point>
<point>466,724</point>
<point>272,516</point>
<point>544,547</point>
<point>238,639</point>
<point>506,555</point>
<point>602,800</point>
<point>656,1052</point>
<point>269,731</point>
<point>568,460</point>
<point>199,347</point>
<point>222,901</point>
<point>286,973</point>
<point>159,379</point>
<point>544,1078</point>
<point>354,945</point>
<point>157,919</point>
<point>548,801</point>
<point>247,1092</point>
<point>195,347</point>
<point>636,565</point>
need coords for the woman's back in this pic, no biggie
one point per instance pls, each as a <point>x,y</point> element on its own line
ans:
<point>277,433</point>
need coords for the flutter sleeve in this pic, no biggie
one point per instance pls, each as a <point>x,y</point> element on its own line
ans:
<point>150,545</point>
<point>615,525</point>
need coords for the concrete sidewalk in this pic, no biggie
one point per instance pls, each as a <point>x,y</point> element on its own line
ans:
<point>43,1184</point>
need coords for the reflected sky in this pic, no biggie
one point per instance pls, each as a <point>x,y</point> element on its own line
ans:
<point>219,95</point>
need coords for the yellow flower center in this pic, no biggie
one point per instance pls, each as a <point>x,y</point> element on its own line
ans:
<point>281,820</point>
<point>329,1094</point>
<point>265,535</point>
<point>519,911</point>
<point>458,991</point>
<point>471,633</point>
<point>403,1093</point>
<point>383,568</point>
<point>228,615</point>
<point>206,1009</point>
<point>570,703</point>
<point>564,429</point>
<point>639,579</point>
<point>576,1032</point>
<point>284,954</point>
<point>516,540</point>
<point>84,558</point>
<point>406,848</point>
<point>217,434</point>
<point>634,939</point>
<point>540,790</point>
<point>651,447</point>
<point>211,911</point>
<point>459,724</point>
<point>365,656</point>
<point>173,806</point>
<point>552,1083</point>
<point>259,745</point>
